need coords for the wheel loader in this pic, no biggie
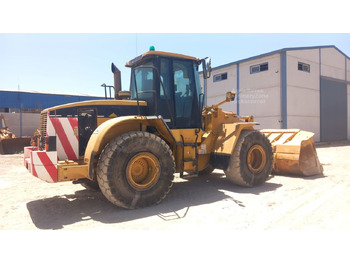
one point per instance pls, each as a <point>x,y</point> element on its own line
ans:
<point>131,147</point>
<point>9,143</point>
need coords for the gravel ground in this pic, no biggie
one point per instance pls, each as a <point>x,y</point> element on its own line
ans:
<point>319,202</point>
<point>205,218</point>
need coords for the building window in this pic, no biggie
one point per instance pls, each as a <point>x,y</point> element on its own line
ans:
<point>303,67</point>
<point>220,77</point>
<point>259,68</point>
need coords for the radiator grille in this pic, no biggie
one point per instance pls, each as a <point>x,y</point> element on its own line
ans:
<point>43,123</point>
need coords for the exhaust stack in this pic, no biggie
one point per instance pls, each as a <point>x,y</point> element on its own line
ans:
<point>117,81</point>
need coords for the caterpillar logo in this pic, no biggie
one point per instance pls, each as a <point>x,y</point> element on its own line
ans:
<point>112,115</point>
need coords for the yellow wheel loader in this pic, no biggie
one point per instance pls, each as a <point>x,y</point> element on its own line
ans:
<point>131,146</point>
<point>9,143</point>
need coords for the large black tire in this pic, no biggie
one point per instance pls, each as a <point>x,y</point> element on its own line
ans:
<point>136,170</point>
<point>251,161</point>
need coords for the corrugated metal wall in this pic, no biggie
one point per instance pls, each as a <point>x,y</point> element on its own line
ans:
<point>14,99</point>
<point>24,124</point>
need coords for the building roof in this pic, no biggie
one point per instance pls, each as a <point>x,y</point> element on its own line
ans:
<point>280,51</point>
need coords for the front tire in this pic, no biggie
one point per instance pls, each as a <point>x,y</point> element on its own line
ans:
<point>136,170</point>
<point>251,161</point>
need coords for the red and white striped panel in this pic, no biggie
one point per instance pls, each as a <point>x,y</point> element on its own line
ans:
<point>66,131</point>
<point>44,165</point>
<point>27,157</point>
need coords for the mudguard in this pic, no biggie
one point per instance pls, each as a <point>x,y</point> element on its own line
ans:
<point>121,125</point>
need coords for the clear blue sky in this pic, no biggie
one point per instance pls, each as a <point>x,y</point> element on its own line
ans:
<point>80,63</point>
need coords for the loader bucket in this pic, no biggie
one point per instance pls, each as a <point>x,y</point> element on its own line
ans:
<point>294,152</point>
<point>13,145</point>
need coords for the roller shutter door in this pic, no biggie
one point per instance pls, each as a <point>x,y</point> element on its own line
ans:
<point>333,95</point>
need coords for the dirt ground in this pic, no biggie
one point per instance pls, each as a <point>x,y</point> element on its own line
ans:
<point>289,203</point>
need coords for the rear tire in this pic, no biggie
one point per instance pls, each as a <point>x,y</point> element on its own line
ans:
<point>251,161</point>
<point>136,170</point>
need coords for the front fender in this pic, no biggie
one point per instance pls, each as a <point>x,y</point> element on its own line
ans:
<point>118,126</point>
<point>228,136</point>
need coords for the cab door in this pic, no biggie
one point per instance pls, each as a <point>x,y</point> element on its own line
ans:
<point>187,108</point>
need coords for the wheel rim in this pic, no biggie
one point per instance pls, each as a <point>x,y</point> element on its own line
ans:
<point>256,159</point>
<point>143,171</point>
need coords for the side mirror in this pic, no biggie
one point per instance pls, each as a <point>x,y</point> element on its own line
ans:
<point>206,64</point>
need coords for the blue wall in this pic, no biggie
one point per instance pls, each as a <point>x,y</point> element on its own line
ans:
<point>14,99</point>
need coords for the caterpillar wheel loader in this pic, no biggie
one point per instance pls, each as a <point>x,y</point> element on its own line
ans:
<point>131,146</point>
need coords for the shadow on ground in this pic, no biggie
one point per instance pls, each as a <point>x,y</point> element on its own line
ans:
<point>58,211</point>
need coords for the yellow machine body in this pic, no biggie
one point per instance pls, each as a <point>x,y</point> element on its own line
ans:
<point>219,135</point>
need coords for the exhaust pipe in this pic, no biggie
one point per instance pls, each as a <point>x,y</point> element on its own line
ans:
<point>117,81</point>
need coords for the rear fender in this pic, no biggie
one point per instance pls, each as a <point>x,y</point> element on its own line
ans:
<point>118,126</point>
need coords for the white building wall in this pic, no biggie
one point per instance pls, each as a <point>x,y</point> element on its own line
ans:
<point>303,91</point>
<point>348,80</point>
<point>217,90</point>
<point>348,70</point>
<point>259,93</point>
<point>348,111</point>
<point>333,63</point>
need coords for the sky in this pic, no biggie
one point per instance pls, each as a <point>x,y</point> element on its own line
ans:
<point>68,46</point>
<point>79,63</point>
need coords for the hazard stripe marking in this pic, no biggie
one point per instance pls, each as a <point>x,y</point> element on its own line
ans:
<point>69,124</point>
<point>44,165</point>
<point>74,124</point>
<point>34,171</point>
<point>49,166</point>
<point>67,147</point>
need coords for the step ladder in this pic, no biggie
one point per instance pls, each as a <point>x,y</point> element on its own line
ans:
<point>193,160</point>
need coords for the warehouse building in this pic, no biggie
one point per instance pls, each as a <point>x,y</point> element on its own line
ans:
<point>306,88</point>
<point>22,109</point>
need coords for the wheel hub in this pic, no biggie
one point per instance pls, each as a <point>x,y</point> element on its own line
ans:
<point>256,158</point>
<point>143,171</point>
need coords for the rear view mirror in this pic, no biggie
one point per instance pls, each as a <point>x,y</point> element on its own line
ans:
<point>206,64</point>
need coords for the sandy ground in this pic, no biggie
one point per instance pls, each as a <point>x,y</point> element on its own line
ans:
<point>289,203</point>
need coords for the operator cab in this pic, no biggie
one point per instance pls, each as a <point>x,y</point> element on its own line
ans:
<point>170,84</point>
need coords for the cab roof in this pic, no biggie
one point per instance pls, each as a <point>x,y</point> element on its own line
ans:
<point>139,59</point>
